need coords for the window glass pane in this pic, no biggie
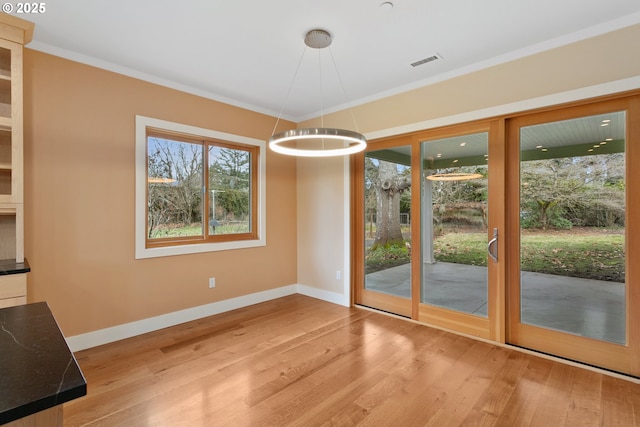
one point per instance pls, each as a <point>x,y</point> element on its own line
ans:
<point>572,226</point>
<point>454,223</point>
<point>229,191</point>
<point>174,188</point>
<point>388,221</point>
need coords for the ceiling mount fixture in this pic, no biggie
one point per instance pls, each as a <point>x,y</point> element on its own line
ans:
<point>317,142</point>
<point>317,39</point>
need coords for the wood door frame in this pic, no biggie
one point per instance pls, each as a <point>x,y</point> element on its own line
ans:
<point>621,358</point>
<point>493,326</point>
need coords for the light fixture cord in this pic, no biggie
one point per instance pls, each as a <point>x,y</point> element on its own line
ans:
<point>335,65</point>
<point>286,98</point>
<point>321,93</point>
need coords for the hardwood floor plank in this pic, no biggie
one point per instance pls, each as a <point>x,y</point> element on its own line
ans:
<point>336,385</point>
<point>553,405</point>
<point>298,361</point>
<point>474,386</point>
<point>522,400</point>
<point>503,378</point>
<point>413,373</point>
<point>585,399</point>
<point>620,403</point>
<point>421,399</point>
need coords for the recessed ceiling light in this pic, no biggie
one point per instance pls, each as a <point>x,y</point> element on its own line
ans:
<point>603,143</point>
<point>609,139</point>
<point>455,161</point>
<point>538,146</point>
<point>438,155</point>
<point>604,124</point>
<point>606,121</point>
<point>462,144</point>
<point>386,6</point>
<point>590,149</point>
<point>596,146</point>
<point>544,149</point>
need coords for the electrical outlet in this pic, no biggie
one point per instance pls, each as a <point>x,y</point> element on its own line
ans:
<point>212,282</point>
<point>338,275</point>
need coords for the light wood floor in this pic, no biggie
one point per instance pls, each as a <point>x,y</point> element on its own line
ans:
<point>304,362</point>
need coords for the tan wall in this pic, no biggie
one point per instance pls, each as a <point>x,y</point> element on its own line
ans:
<point>79,200</point>
<point>321,226</point>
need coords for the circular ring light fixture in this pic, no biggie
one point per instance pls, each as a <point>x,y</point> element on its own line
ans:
<point>458,176</point>
<point>353,142</point>
<point>323,142</point>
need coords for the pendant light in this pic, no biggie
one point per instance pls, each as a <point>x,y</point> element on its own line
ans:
<point>453,176</point>
<point>317,142</point>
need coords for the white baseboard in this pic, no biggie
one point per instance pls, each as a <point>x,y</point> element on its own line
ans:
<point>328,296</point>
<point>128,330</point>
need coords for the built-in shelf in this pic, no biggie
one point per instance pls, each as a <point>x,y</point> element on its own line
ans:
<point>8,223</point>
<point>14,33</point>
<point>5,63</point>
<point>5,182</point>
<point>6,165</point>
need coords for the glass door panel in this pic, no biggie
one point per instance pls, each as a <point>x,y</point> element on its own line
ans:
<point>454,223</point>
<point>572,208</point>
<point>387,230</point>
<point>572,226</point>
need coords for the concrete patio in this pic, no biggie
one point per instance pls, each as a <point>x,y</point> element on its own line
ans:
<point>591,308</point>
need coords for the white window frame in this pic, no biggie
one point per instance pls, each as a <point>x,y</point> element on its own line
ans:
<point>141,251</point>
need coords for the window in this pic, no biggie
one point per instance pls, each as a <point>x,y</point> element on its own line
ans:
<point>197,190</point>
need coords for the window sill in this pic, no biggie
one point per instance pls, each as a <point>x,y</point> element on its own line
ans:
<point>143,252</point>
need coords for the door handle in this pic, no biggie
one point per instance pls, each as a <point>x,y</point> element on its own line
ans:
<point>492,246</point>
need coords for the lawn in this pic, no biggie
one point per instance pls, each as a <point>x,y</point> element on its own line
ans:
<point>584,253</point>
<point>579,253</point>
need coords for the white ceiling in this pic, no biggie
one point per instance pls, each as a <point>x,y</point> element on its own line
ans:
<point>245,52</point>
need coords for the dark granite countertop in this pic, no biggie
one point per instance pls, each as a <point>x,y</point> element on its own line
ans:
<point>10,266</point>
<point>37,369</point>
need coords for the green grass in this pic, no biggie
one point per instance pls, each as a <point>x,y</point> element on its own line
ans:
<point>196,230</point>
<point>461,248</point>
<point>584,255</point>
<point>383,257</point>
<point>589,256</point>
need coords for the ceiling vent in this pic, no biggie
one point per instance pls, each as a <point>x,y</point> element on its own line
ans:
<point>425,60</point>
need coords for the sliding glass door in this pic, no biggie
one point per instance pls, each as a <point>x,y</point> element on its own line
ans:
<point>455,232</point>
<point>521,230</point>
<point>424,228</point>
<point>571,282</point>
